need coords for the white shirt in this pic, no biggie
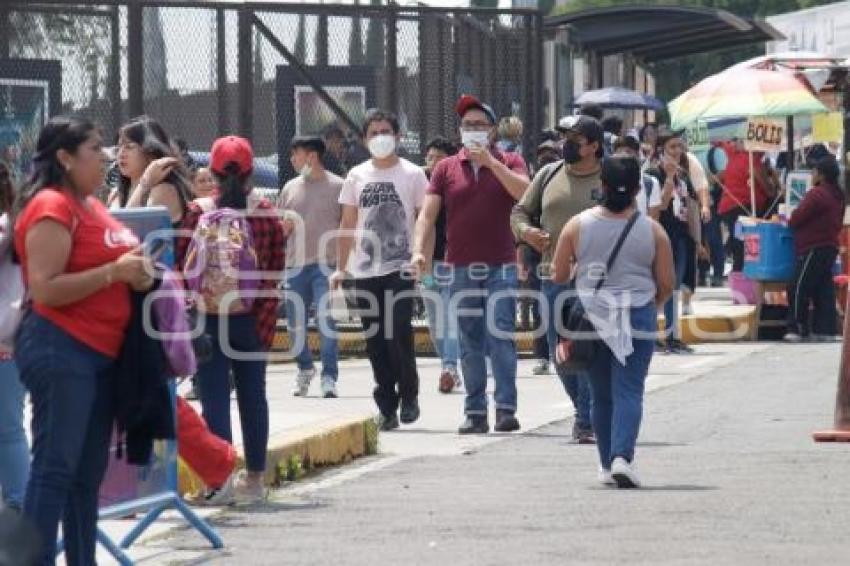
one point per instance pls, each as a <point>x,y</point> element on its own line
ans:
<point>654,195</point>
<point>387,202</point>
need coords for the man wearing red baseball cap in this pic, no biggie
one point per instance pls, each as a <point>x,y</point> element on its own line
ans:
<point>479,186</point>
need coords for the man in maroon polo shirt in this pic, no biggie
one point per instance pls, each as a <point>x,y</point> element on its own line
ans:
<point>478,187</point>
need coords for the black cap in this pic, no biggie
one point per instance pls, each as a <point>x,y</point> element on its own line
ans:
<point>309,143</point>
<point>588,127</point>
<point>548,145</point>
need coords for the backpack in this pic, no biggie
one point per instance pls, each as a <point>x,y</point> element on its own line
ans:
<point>555,170</point>
<point>221,260</point>
<point>647,188</point>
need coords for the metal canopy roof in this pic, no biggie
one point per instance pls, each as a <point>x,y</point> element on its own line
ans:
<point>654,33</point>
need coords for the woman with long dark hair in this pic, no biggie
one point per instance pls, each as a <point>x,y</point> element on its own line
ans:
<point>640,279</point>
<point>151,170</point>
<point>678,198</point>
<point>79,265</point>
<point>243,335</point>
<point>14,450</point>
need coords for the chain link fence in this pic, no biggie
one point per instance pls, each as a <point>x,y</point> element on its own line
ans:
<point>266,71</point>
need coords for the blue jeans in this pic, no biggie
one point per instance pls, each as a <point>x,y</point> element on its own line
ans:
<point>310,284</point>
<point>14,450</point>
<point>70,386</point>
<point>671,307</point>
<point>576,385</point>
<point>472,291</point>
<point>618,390</point>
<point>250,379</point>
<point>443,321</point>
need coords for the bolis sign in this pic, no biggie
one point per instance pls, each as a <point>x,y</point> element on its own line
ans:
<point>764,134</point>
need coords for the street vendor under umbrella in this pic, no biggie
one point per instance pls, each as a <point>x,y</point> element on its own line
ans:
<point>737,200</point>
<point>816,224</point>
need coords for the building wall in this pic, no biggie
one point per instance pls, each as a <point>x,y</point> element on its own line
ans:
<point>825,29</point>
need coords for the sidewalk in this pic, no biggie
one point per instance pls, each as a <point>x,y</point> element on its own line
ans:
<point>542,400</point>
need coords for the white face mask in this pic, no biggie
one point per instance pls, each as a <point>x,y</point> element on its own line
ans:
<point>382,146</point>
<point>306,171</point>
<point>473,139</point>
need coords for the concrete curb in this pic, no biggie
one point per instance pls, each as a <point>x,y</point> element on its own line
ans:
<point>736,326</point>
<point>292,453</point>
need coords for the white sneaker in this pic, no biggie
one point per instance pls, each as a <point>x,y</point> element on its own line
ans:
<point>245,492</point>
<point>687,310</point>
<point>623,474</point>
<point>541,367</point>
<point>302,382</point>
<point>605,478</point>
<point>792,338</point>
<point>214,497</point>
<point>328,387</point>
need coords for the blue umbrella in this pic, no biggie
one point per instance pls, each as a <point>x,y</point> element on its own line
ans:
<point>617,97</point>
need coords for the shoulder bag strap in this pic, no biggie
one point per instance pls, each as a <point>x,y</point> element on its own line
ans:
<point>616,251</point>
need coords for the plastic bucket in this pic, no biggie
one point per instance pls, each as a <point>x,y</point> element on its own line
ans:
<point>768,251</point>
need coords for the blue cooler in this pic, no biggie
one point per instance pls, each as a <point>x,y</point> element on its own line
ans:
<point>768,251</point>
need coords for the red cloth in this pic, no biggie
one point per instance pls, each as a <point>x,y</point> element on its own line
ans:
<point>100,320</point>
<point>736,179</point>
<point>210,457</point>
<point>818,220</point>
<point>478,210</point>
<point>270,245</point>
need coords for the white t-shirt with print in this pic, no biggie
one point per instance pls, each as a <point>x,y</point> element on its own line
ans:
<point>387,201</point>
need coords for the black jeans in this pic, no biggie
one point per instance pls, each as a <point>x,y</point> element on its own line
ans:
<point>734,246</point>
<point>385,307</point>
<point>813,283</point>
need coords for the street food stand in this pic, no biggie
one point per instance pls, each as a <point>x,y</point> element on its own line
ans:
<point>760,96</point>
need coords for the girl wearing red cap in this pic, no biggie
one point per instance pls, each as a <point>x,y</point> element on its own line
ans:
<point>241,340</point>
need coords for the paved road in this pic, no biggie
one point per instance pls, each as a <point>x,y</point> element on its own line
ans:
<point>731,478</point>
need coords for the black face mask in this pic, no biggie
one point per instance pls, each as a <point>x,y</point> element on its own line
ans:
<point>572,151</point>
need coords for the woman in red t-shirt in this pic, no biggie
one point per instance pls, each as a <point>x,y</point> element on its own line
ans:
<point>79,264</point>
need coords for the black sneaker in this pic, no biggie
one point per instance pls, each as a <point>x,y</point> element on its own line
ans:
<point>505,421</point>
<point>474,424</point>
<point>386,423</point>
<point>583,434</point>
<point>675,346</point>
<point>410,412</point>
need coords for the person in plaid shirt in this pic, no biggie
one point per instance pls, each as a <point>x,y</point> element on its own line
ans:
<point>231,161</point>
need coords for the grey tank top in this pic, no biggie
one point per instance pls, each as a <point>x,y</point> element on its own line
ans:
<point>631,277</point>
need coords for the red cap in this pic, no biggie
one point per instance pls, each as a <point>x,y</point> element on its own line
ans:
<point>231,149</point>
<point>467,102</point>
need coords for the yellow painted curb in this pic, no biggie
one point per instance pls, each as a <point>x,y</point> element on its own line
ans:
<point>328,442</point>
<point>695,329</point>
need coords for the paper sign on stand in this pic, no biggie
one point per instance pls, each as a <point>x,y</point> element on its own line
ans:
<point>797,184</point>
<point>764,134</point>
<point>828,128</point>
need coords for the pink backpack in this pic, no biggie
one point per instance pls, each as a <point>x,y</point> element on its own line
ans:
<point>221,259</point>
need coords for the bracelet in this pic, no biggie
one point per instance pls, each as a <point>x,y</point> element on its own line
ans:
<point>109,276</point>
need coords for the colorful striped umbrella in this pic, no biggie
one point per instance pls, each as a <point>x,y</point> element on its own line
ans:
<point>743,92</point>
